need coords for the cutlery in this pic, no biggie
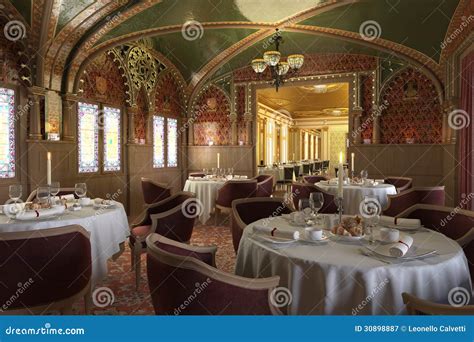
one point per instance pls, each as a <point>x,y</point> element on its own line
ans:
<point>371,255</point>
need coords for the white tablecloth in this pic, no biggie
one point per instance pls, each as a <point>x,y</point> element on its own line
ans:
<point>354,195</point>
<point>335,278</point>
<point>107,227</point>
<point>206,193</point>
<point>278,173</point>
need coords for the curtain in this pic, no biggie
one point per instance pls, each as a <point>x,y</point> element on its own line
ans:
<point>466,136</point>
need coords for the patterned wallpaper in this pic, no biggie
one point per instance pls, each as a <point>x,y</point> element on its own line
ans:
<point>240,102</point>
<point>337,143</point>
<point>367,83</point>
<point>103,82</point>
<point>168,97</point>
<point>141,115</point>
<point>413,110</point>
<point>212,118</point>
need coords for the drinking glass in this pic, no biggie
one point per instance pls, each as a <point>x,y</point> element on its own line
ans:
<point>231,171</point>
<point>54,188</point>
<point>42,193</point>
<point>80,189</point>
<point>214,171</point>
<point>363,175</point>
<point>15,192</point>
<point>205,171</point>
<point>316,201</point>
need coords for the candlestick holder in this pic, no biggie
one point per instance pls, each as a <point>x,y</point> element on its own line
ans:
<point>340,208</point>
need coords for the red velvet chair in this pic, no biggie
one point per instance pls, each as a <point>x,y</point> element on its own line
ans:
<point>246,211</point>
<point>52,267</point>
<point>420,195</point>
<point>314,179</point>
<point>184,281</point>
<point>197,174</point>
<point>303,190</point>
<point>264,186</point>
<point>154,192</point>
<point>233,190</point>
<point>455,223</point>
<point>173,217</point>
<point>401,183</point>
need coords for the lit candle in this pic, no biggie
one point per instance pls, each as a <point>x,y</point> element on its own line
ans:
<point>340,177</point>
<point>48,169</point>
<point>352,161</point>
<point>218,160</point>
<point>293,157</point>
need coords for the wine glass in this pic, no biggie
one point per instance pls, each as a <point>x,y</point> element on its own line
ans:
<point>54,189</point>
<point>316,201</point>
<point>15,192</point>
<point>80,189</point>
<point>363,175</point>
<point>214,171</point>
<point>42,193</point>
<point>205,171</point>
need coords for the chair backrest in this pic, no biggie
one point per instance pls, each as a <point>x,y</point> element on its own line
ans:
<point>318,166</point>
<point>197,288</point>
<point>197,174</point>
<point>418,306</point>
<point>303,190</point>
<point>288,172</point>
<point>401,183</point>
<point>50,265</point>
<point>165,205</point>
<point>233,190</point>
<point>455,223</point>
<point>314,179</point>
<point>264,186</point>
<point>305,169</point>
<point>154,192</point>
<point>246,211</point>
<point>297,170</point>
<point>420,195</point>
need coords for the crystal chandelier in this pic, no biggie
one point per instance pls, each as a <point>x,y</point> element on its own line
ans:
<point>279,69</point>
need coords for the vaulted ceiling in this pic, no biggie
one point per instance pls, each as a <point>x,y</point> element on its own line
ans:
<point>206,38</point>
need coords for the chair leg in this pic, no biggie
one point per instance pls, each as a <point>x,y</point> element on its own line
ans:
<point>87,302</point>
<point>132,259</point>
<point>138,261</point>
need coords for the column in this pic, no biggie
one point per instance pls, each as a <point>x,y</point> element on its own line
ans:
<point>233,130</point>
<point>69,116</point>
<point>35,115</point>
<point>376,125</point>
<point>356,129</point>
<point>149,129</point>
<point>131,111</point>
<point>248,128</point>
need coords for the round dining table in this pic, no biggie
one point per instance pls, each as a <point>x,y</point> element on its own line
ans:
<point>354,194</point>
<point>335,277</point>
<point>108,229</point>
<point>206,193</point>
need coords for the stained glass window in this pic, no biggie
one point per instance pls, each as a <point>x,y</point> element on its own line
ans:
<point>158,142</point>
<point>88,135</point>
<point>111,127</point>
<point>172,130</point>
<point>7,133</point>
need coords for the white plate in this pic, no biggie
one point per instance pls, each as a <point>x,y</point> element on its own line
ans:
<point>346,238</point>
<point>412,254</point>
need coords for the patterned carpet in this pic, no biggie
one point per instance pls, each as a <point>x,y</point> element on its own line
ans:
<point>120,281</point>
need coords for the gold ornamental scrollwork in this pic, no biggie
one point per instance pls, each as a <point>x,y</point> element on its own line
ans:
<point>143,69</point>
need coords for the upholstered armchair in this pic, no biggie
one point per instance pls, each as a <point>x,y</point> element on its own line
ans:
<point>197,174</point>
<point>264,186</point>
<point>455,223</point>
<point>173,217</point>
<point>314,179</point>
<point>420,195</point>
<point>154,192</point>
<point>400,183</point>
<point>233,190</point>
<point>246,211</point>
<point>303,190</point>
<point>418,306</point>
<point>51,266</point>
<point>196,287</point>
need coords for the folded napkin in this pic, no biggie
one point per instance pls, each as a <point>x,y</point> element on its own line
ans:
<point>100,201</point>
<point>276,232</point>
<point>32,214</point>
<point>243,177</point>
<point>387,220</point>
<point>401,248</point>
<point>68,197</point>
<point>379,181</point>
<point>405,222</point>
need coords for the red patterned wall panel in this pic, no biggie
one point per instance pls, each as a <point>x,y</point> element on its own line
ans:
<point>212,118</point>
<point>240,108</point>
<point>367,82</point>
<point>8,62</point>
<point>103,82</point>
<point>168,97</point>
<point>316,64</point>
<point>413,110</point>
<point>141,115</point>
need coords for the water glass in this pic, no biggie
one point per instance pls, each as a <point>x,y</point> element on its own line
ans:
<point>42,194</point>
<point>15,192</point>
<point>316,201</point>
<point>364,174</point>
<point>80,189</point>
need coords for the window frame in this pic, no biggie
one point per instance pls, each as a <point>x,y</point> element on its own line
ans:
<point>16,129</point>
<point>167,143</point>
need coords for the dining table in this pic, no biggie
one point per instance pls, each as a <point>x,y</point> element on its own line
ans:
<point>339,277</point>
<point>206,193</point>
<point>108,229</point>
<point>354,194</point>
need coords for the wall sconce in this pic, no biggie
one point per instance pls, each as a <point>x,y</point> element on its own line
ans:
<point>210,143</point>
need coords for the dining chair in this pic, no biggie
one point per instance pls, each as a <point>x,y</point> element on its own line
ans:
<point>303,190</point>
<point>306,169</point>
<point>288,174</point>
<point>154,192</point>
<point>318,166</point>
<point>314,179</point>
<point>233,190</point>
<point>246,211</point>
<point>183,280</point>
<point>455,223</point>
<point>197,174</point>
<point>172,217</point>
<point>418,195</point>
<point>264,185</point>
<point>45,270</point>
<point>62,192</point>
<point>400,183</point>
<point>418,306</point>
<point>297,171</point>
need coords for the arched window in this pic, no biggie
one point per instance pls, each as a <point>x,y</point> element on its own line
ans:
<point>7,133</point>
<point>111,121</point>
<point>172,131</point>
<point>158,141</point>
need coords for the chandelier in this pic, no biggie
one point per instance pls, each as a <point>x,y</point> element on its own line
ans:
<point>279,69</point>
